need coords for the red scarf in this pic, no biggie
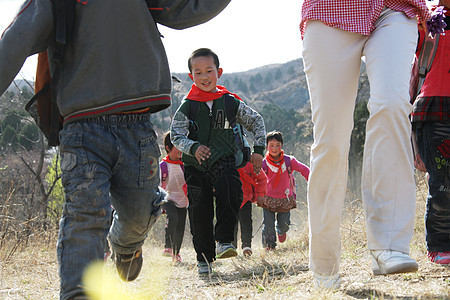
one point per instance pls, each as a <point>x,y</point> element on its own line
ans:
<point>276,164</point>
<point>167,159</point>
<point>197,94</point>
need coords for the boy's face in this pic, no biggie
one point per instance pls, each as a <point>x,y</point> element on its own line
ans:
<point>205,73</point>
<point>174,154</point>
<point>274,147</point>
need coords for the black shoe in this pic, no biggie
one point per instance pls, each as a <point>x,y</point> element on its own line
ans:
<point>79,297</point>
<point>129,265</point>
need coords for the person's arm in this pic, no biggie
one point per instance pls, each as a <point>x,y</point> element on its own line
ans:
<point>418,163</point>
<point>28,34</point>
<point>300,167</point>
<point>253,122</point>
<point>179,131</point>
<point>180,14</point>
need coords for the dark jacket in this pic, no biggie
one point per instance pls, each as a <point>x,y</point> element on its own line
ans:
<point>213,131</point>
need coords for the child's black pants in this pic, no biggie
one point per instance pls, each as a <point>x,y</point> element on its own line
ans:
<point>223,184</point>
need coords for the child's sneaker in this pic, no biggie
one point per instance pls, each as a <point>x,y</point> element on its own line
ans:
<point>128,265</point>
<point>247,251</point>
<point>282,238</point>
<point>204,268</point>
<point>441,258</point>
<point>176,258</point>
<point>225,250</point>
<point>81,296</point>
<point>167,252</point>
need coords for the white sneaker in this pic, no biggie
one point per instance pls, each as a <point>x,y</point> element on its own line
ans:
<point>327,282</point>
<point>391,262</point>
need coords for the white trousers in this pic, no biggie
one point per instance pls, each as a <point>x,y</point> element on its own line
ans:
<point>332,59</point>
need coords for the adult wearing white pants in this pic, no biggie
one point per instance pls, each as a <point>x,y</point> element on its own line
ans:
<point>336,34</point>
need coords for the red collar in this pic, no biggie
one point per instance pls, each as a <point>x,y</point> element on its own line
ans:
<point>167,159</point>
<point>197,94</point>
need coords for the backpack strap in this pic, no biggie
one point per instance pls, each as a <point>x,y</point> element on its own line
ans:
<point>426,57</point>
<point>229,110</point>
<point>230,114</point>
<point>264,166</point>
<point>287,161</point>
<point>64,12</point>
<point>164,171</point>
<point>193,108</point>
<point>64,15</point>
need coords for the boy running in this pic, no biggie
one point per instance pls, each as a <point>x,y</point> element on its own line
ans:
<point>208,147</point>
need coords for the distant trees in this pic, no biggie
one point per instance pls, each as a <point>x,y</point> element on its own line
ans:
<point>17,132</point>
<point>296,127</point>
<point>29,136</point>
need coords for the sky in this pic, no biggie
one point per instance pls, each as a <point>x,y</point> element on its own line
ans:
<point>247,34</point>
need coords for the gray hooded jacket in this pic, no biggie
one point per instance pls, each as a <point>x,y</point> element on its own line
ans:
<point>115,60</point>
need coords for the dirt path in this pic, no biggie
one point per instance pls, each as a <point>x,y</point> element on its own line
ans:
<point>282,274</point>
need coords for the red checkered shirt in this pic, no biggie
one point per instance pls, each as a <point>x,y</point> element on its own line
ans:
<point>358,16</point>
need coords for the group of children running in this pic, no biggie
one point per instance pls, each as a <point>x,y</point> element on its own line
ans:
<point>204,176</point>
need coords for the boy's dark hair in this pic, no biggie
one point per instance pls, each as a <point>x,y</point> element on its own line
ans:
<point>167,142</point>
<point>274,135</point>
<point>203,52</point>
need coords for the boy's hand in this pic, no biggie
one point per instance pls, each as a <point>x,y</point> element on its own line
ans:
<point>202,153</point>
<point>259,201</point>
<point>418,163</point>
<point>422,26</point>
<point>256,160</point>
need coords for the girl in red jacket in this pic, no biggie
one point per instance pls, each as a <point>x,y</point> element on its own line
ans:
<point>254,188</point>
<point>431,124</point>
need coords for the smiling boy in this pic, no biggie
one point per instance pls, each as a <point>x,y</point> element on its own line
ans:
<point>208,145</point>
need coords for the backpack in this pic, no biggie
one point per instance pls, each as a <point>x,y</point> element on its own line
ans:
<point>242,151</point>
<point>165,174</point>
<point>43,107</point>
<point>287,161</point>
<point>164,171</point>
<point>422,65</point>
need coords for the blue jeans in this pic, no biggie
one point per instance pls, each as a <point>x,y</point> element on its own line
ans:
<point>434,148</point>
<point>283,220</point>
<point>105,160</point>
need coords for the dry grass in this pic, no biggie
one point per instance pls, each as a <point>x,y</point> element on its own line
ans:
<point>282,274</point>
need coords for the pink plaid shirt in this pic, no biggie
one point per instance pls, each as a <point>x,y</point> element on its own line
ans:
<point>357,16</point>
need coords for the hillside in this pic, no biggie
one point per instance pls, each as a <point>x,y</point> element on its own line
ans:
<point>283,85</point>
